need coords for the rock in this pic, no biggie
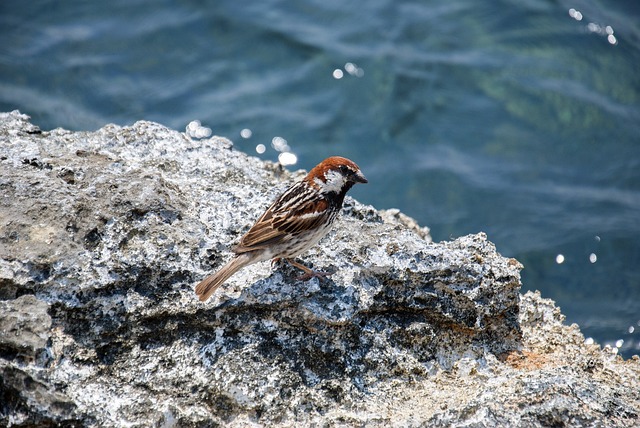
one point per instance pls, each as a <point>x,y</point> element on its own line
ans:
<point>24,327</point>
<point>104,234</point>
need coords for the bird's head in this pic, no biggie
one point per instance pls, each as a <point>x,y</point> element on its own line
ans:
<point>335,174</point>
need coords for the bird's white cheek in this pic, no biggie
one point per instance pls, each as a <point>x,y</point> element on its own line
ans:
<point>334,183</point>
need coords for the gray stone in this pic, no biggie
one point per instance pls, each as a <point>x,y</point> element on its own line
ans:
<point>24,327</point>
<point>104,234</point>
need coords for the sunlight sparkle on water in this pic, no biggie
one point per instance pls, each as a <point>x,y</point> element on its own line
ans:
<point>603,31</point>
<point>246,133</point>
<point>195,130</point>
<point>575,14</point>
<point>353,69</point>
<point>280,144</point>
<point>287,158</point>
<point>593,258</point>
<point>261,148</point>
<point>595,28</point>
<point>559,259</point>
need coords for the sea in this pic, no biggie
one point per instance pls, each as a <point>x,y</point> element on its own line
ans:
<point>520,119</point>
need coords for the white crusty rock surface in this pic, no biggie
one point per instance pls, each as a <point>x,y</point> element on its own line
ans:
<point>104,234</point>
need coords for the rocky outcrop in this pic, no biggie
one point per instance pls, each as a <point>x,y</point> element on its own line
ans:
<point>104,234</point>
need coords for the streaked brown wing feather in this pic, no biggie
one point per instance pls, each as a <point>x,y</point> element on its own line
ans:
<point>283,219</point>
<point>302,220</point>
<point>261,235</point>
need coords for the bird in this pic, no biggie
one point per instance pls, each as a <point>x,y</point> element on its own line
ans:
<point>301,216</point>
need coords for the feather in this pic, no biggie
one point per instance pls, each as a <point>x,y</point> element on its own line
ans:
<point>210,284</point>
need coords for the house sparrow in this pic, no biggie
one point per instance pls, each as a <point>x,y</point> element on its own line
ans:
<point>295,222</point>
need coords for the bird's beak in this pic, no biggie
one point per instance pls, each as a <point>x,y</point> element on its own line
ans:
<point>359,177</point>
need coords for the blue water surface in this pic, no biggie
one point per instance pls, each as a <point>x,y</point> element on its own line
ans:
<point>517,118</point>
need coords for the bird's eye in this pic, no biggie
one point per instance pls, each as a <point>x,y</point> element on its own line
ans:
<point>344,170</point>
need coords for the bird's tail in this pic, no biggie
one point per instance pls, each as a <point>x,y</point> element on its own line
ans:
<point>210,284</point>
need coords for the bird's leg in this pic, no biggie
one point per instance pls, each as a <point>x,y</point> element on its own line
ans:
<point>308,273</point>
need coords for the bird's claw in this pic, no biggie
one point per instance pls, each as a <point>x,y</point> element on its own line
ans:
<point>313,274</point>
<point>308,273</point>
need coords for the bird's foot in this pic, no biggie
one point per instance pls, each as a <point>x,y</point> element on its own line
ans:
<point>308,273</point>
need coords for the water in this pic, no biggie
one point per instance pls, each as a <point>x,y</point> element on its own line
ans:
<point>517,118</point>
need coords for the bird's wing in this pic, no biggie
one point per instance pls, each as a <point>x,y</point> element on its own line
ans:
<point>296,211</point>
